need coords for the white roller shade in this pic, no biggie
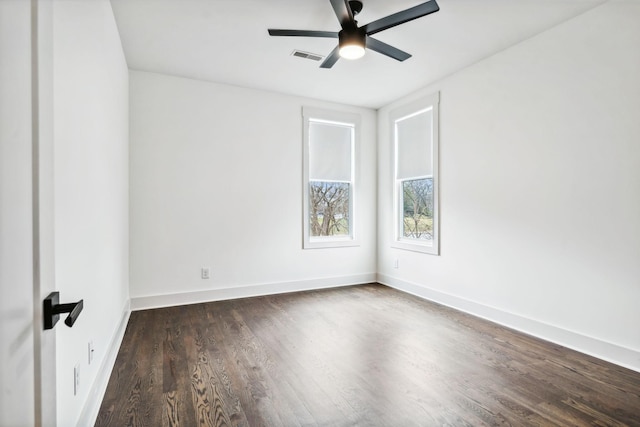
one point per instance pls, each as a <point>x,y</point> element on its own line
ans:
<point>330,147</point>
<point>414,145</point>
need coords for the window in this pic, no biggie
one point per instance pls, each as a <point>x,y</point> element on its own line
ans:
<point>415,138</point>
<point>330,143</point>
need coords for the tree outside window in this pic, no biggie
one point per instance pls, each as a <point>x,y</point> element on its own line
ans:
<point>417,209</point>
<point>329,208</point>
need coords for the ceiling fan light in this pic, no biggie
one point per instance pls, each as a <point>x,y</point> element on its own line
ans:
<point>352,43</point>
<point>351,51</point>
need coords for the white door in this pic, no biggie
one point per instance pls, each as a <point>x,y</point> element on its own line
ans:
<point>27,355</point>
<point>45,341</point>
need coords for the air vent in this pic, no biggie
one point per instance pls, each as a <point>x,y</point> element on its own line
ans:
<point>307,55</point>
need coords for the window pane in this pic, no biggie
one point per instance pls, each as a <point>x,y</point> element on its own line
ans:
<point>329,208</point>
<point>417,209</point>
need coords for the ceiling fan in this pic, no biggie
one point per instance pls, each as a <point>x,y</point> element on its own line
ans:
<point>352,40</point>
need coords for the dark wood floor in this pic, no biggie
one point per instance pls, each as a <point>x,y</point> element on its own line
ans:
<point>354,356</point>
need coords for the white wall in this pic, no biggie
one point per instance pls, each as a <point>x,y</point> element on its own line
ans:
<point>91,191</point>
<point>216,181</point>
<point>540,171</point>
<point>16,256</point>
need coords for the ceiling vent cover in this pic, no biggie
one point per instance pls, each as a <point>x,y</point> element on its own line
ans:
<point>307,55</point>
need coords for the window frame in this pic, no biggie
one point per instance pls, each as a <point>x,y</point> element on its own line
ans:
<point>432,246</point>
<point>311,114</point>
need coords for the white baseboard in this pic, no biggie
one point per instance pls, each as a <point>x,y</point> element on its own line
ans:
<point>89,413</point>
<point>607,351</point>
<point>157,301</point>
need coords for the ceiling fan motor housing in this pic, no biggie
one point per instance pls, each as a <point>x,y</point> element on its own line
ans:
<point>354,36</point>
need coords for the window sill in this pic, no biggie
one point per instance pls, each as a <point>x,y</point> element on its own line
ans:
<point>316,243</point>
<point>410,245</point>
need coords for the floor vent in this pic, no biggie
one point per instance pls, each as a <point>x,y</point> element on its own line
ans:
<point>307,55</point>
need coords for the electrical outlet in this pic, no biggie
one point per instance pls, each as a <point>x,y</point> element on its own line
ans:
<point>205,272</point>
<point>91,350</point>
<point>76,378</point>
<point>396,264</point>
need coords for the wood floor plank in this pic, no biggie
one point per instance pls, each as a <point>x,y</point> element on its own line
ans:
<point>246,374</point>
<point>355,356</point>
<point>207,389</point>
<point>178,408</point>
<point>300,381</point>
<point>130,377</point>
<point>223,370</point>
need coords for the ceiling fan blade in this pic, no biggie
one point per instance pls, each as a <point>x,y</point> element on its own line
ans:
<point>401,17</point>
<point>385,49</point>
<point>331,59</point>
<point>344,13</point>
<point>303,33</point>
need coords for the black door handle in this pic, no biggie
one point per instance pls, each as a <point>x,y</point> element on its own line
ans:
<point>52,310</point>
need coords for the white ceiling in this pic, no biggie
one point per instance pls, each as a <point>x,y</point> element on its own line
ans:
<point>226,41</point>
